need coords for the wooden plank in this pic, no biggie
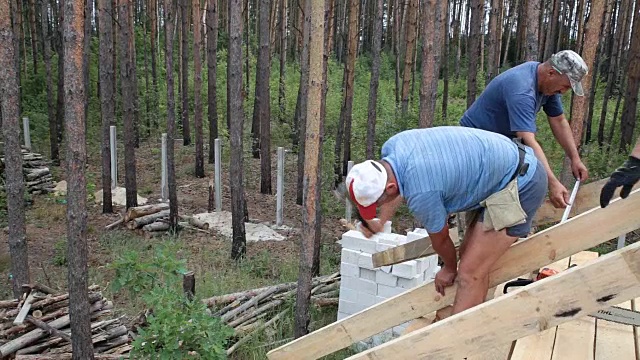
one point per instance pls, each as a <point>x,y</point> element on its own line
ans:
<point>587,198</point>
<point>575,339</point>
<point>555,300</point>
<point>539,346</point>
<point>525,256</point>
<point>413,250</point>
<point>615,341</point>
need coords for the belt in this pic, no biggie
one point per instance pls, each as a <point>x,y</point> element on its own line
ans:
<point>522,166</point>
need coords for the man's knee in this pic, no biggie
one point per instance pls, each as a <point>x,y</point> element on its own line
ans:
<point>469,275</point>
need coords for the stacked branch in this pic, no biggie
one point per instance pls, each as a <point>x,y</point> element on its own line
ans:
<point>37,176</point>
<point>39,324</point>
<point>153,220</point>
<point>249,312</point>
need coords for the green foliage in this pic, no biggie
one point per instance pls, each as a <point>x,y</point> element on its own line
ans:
<point>60,253</point>
<point>179,329</point>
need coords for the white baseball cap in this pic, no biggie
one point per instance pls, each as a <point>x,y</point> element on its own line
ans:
<point>365,183</point>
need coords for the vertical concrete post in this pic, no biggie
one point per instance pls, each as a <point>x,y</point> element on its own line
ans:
<point>164,181</point>
<point>27,133</point>
<point>348,210</point>
<point>218,177</point>
<point>280,186</point>
<point>114,157</point>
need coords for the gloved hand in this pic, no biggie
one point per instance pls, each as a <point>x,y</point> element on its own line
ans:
<point>626,176</point>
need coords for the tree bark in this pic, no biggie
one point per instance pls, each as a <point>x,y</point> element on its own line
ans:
<point>552,38</point>
<point>432,46</point>
<point>128,105</point>
<point>532,29</point>
<point>14,188</point>
<point>628,119</point>
<point>186,132</point>
<point>107,106</point>
<point>169,11</point>
<point>34,35</point>
<point>410,36</point>
<point>344,125</point>
<point>445,60</point>
<point>263,98</point>
<point>375,79</point>
<point>77,248</point>
<point>60,94</point>
<point>46,57</point>
<point>283,60</point>
<point>88,14</point>
<point>236,116</point>
<point>313,143</point>
<point>152,9</point>
<point>212,66</point>
<point>197,87</point>
<point>134,77</point>
<point>473,50</point>
<point>301,103</point>
<point>493,52</point>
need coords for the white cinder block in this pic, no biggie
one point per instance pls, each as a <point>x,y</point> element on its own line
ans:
<point>348,294</point>
<point>416,234</point>
<point>399,330</point>
<point>365,286</point>
<point>405,270</point>
<point>386,269</point>
<point>386,279</point>
<point>342,315</point>
<point>365,261</point>
<point>355,240</point>
<point>382,337</point>
<point>380,299</point>
<point>382,247</point>
<point>367,274</point>
<point>410,283</point>
<point>350,256</point>
<point>349,307</point>
<point>366,300</point>
<point>389,291</point>
<point>347,269</point>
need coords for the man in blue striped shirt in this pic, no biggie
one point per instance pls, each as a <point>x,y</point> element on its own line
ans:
<point>443,170</point>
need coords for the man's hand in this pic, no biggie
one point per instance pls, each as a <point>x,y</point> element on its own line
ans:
<point>372,227</point>
<point>445,278</point>
<point>626,176</point>
<point>579,170</point>
<point>558,194</point>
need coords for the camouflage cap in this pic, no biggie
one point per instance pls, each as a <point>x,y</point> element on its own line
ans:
<point>570,63</point>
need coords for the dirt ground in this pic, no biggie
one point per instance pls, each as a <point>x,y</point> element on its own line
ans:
<point>46,216</point>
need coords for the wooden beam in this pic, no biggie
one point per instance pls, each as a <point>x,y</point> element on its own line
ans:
<point>523,257</point>
<point>587,198</point>
<point>558,299</point>
<point>413,250</point>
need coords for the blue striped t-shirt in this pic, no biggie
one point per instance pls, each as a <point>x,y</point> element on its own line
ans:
<point>443,170</point>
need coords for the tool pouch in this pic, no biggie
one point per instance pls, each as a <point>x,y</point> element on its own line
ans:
<point>502,209</point>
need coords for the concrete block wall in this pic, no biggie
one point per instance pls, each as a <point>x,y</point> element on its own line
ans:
<point>363,286</point>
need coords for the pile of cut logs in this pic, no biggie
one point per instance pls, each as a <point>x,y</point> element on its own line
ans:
<point>38,323</point>
<point>249,312</point>
<point>153,220</point>
<point>37,177</point>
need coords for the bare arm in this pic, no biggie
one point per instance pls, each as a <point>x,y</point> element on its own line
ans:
<point>562,132</point>
<point>443,245</point>
<point>558,194</point>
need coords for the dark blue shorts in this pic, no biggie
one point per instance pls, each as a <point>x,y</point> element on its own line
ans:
<point>531,196</point>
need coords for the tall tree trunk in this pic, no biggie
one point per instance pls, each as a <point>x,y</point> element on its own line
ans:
<point>580,20</point>
<point>412,13</point>
<point>76,158</point>
<point>263,96</point>
<point>60,92</point>
<point>134,77</point>
<point>493,53</point>
<point>445,61</point>
<point>152,9</point>
<point>128,105</point>
<point>375,77</point>
<point>513,10</point>
<point>17,236</point>
<point>34,35</point>
<point>283,61</point>
<point>107,105</point>
<point>255,119</point>
<point>301,103</point>
<point>396,51</point>
<point>310,223</point>
<point>552,30</point>
<point>247,43</point>
<point>344,125</point>
<point>197,87</point>
<point>186,132</point>
<point>473,50</point>
<point>432,13</point>
<point>46,45</point>
<point>457,28</point>
<point>148,91</point>
<point>330,25</point>
<point>236,116</point>
<point>212,66</point>
<point>88,14</point>
<point>628,119</point>
<point>579,109</point>
<point>531,20</point>
<point>169,17</point>
<point>613,70</point>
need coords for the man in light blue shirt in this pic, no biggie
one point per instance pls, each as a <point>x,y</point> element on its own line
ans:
<point>510,102</point>
<point>443,170</point>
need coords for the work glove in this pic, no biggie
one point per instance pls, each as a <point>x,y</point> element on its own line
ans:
<point>626,176</point>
